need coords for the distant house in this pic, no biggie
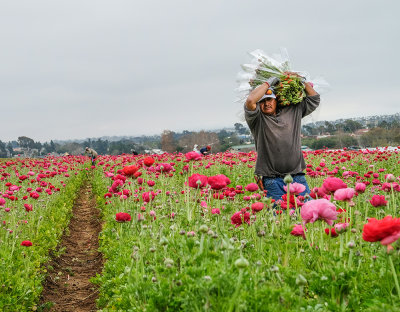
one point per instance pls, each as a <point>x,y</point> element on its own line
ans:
<point>244,148</point>
<point>360,132</point>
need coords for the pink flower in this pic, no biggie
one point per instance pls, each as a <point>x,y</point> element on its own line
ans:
<point>332,184</point>
<point>298,230</point>
<point>321,209</point>
<point>218,182</point>
<point>390,177</point>
<point>295,188</point>
<point>197,180</point>
<point>203,204</point>
<point>341,227</point>
<point>192,156</point>
<point>215,211</point>
<point>360,187</point>
<point>2,201</point>
<point>345,194</point>
<point>378,201</point>
<point>251,187</point>
<point>257,206</point>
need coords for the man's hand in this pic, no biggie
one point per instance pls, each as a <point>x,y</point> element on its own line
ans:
<point>273,81</point>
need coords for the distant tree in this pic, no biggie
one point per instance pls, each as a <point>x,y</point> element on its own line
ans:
<point>241,129</point>
<point>229,141</point>
<point>350,126</point>
<point>10,148</point>
<point>168,143</point>
<point>384,125</point>
<point>26,142</point>
<point>329,127</point>
<point>52,147</point>
<point>3,150</point>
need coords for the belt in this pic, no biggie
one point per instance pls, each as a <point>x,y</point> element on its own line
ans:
<point>283,175</point>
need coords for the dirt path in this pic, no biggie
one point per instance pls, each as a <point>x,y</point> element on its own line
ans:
<point>67,287</point>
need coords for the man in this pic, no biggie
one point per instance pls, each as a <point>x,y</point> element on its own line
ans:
<point>205,150</point>
<point>276,132</point>
<point>92,154</point>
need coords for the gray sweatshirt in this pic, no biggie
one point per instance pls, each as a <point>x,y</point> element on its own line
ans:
<point>277,138</point>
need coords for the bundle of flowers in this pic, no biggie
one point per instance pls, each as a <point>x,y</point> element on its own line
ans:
<point>290,90</point>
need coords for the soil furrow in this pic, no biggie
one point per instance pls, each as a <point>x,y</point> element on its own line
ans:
<point>67,286</point>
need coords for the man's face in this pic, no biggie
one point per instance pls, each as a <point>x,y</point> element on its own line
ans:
<point>268,106</point>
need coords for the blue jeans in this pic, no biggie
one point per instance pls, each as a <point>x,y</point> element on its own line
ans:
<point>274,186</point>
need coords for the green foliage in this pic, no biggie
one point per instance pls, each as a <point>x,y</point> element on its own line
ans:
<point>22,270</point>
<point>154,265</point>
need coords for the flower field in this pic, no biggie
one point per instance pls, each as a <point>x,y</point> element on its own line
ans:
<point>183,232</point>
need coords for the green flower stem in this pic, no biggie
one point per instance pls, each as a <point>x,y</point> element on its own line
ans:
<point>396,281</point>
<point>235,295</point>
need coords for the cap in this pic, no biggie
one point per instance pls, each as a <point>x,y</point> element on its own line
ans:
<point>269,94</point>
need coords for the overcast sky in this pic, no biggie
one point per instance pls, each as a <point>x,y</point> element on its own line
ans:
<point>79,69</point>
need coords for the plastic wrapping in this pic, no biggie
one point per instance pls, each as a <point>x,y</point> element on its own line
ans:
<point>291,89</point>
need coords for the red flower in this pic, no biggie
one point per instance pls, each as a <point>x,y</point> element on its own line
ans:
<point>26,243</point>
<point>386,230</point>
<point>130,170</point>
<point>378,200</point>
<point>148,161</point>
<point>28,207</point>
<point>197,180</point>
<point>332,232</point>
<point>123,217</point>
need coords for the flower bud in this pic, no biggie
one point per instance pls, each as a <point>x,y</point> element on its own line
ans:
<point>301,280</point>
<point>203,228</point>
<point>241,263</point>
<point>261,233</point>
<point>163,241</point>
<point>351,245</point>
<point>288,179</point>
<point>168,262</point>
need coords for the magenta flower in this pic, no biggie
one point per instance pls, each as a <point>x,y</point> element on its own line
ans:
<point>378,201</point>
<point>251,187</point>
<point>239,217</point>
<point>193,156</point>
<point>215,211</point>
<point>360,187</point>
<point>218,182</point>
<point>257,206</point>
<point>345,194</point>
<point>197,180</point>
<point>332,184</point>
<point>295,188</point>
<point>321,209</point>
<point>298,230</point>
